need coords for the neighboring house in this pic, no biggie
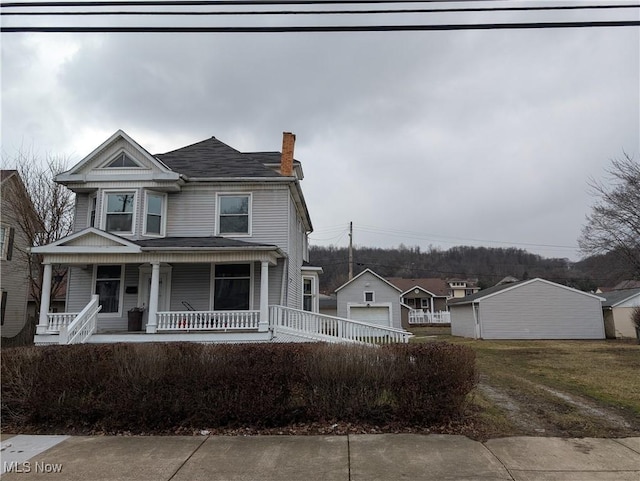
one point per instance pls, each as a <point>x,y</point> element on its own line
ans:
<point>370,298</point>
<point>462,287</point>
<point>14,268</point>
<point>209,243</point>
<point>328,305</point>
<point>617,308</point>
<point>423,300</point>
<point>531,309</point>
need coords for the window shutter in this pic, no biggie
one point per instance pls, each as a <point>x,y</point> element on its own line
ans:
<point>10,243</point>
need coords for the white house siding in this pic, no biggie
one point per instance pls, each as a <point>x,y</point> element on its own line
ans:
<point>81,212</point>
<point>539,310</point>
<point>294,251</point>
<point>462,321</point>
<point>384,295</point>
<point>191,212</point>
<point>79,287</point>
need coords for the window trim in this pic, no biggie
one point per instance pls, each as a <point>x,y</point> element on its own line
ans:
<point>92,198</point>
<point>105,165</point>
<point>105,206</point>
<point>373,296</point>
<point>120,294</point>
<point>313,295</point>
<point>249,214</point>
<point>212,283</point>
<point>163,214</point>
<point>4,247</point>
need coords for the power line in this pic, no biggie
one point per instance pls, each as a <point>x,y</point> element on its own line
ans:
<point>325,12</point>
<point>191,3</point>
<point>332,28</point>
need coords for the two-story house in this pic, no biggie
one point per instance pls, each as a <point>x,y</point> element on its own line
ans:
<point>210,243</point>
<point>14,267</point>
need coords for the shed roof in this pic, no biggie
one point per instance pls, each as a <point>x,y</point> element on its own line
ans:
<point>614,298</point>
<point>491,291</point>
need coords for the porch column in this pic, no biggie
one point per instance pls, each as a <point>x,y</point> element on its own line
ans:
<point>431,306</point>
<point>45,300</point>
<point>264,297</point>
<point>152,321</point>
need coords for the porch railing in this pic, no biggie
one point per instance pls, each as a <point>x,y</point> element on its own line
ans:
<point>83,326</point>
<point>332,329</point>
<point>59,319</point>
<point>207,320</point>
<point>418,316</point>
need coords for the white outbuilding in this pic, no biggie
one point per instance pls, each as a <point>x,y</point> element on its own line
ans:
<point>531,309</point>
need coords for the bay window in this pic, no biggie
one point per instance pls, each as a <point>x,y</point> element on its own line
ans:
<point>119,213</point>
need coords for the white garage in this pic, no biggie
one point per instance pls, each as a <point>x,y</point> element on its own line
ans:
<point>369,298</point>
<point>532,309</point>
<point>380,315</point>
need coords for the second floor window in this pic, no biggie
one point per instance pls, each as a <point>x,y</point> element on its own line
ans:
<point>119,213</point>
<point>234,214</point>
<point>154,213</point>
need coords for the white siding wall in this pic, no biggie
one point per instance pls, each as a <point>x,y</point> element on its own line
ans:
<point>539,310</point>
<point>383,294</point>
<point>81,212</point>
<point>462,321</point>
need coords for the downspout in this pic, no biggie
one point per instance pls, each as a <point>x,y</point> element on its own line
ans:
<point>285,277</point>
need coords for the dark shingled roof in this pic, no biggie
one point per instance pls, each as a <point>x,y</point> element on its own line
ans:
<point>436,286</point>
<point>199,242</point>
<point>614,297</point>
<point>483,293</point>
<point>212,158</point>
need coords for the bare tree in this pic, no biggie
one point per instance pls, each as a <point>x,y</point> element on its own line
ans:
<point>614,222</point>
<point>42,210</point>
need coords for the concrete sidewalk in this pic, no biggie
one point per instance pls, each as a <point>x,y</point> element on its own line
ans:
<point>307,458</point>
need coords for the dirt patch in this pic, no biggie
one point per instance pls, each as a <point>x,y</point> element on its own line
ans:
<point>539,410</point>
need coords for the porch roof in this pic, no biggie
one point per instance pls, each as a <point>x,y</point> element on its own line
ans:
<point>214,243</point>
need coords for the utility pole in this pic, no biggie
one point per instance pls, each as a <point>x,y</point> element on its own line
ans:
<point>350,250</point>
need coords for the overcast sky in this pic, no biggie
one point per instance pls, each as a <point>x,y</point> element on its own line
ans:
<point>422,138</point>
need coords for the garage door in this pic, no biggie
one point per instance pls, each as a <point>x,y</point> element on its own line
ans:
<point>374,315</point>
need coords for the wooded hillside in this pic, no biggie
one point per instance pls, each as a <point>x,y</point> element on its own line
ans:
<point>488,265</point>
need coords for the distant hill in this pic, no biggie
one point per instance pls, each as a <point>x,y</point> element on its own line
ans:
<point>488,265</point>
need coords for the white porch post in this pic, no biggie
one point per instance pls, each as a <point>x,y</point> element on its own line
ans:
<point>152,322</point>
<point>432,307</point>
<point>264,297</point>
<point>45,300</point>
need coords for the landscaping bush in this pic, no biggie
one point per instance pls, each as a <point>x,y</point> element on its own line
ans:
<point>160,387</point>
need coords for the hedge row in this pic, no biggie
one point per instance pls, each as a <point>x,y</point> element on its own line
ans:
<point>160,387</point>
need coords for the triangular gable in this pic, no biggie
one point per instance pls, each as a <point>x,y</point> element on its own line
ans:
<point>370,272</point>
<point>422,289</point>
<point>89,240</point>
<point>97,162</point>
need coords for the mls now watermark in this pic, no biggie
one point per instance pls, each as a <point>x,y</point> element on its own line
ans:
<point>29,467</point>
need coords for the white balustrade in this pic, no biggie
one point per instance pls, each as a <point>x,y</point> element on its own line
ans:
<point>59,319</point>
<point>83,326</point>
<point>208,320</point>
<point>418,316</point>
<point>333,329</point>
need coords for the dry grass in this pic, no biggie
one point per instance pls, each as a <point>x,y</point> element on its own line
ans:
<point>604,374</point>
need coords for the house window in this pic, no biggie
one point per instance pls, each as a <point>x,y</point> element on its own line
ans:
<point>119,213</point>
<point>108,287</point>
<point>234,214</point>
<point>122,160</point>
<point>3,307</point>
<point>307,294</point>
<point>425,302</point>
<point>369,296</point>
<point>93,202</point>
<point>232,287</point>
<point>6,242</point>
<point>154,212</point>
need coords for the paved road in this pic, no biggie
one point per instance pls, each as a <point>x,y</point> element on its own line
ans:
<point>387,457</point>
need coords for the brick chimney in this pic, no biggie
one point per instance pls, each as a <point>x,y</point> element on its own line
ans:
<point>286,161</point>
